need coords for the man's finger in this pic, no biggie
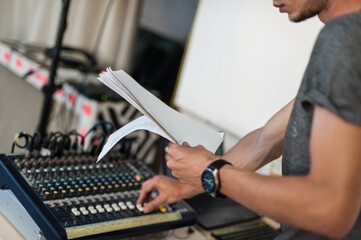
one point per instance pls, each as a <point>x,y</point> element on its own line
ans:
<point>147,188</point>
<point>142,196</point>
<point>186,144</point>
<point>175,174</point>
<point>176,151</point>
<point>152,205</point>
<point>171,164</point>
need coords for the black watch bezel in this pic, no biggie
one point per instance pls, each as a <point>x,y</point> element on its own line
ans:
<point>210,177</point>
<point>209,180</point>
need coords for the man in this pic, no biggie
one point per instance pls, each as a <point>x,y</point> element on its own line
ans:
<point>318,133</point>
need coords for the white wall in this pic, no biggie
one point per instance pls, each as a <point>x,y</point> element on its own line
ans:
<point>243,62</point>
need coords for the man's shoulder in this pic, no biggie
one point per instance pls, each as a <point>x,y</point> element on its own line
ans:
<point>348,25</point>
<point>341,36</point>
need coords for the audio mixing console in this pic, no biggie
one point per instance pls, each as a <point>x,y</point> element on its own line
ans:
<point>72,197</point>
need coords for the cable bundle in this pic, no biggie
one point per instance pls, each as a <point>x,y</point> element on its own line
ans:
<point>59,144</point>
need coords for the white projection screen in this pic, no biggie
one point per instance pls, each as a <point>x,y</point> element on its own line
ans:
<point>243,62</point>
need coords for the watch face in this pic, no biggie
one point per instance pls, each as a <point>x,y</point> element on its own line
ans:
<point>208,181</point>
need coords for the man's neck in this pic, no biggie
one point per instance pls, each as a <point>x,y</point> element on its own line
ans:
<point>338,8</point>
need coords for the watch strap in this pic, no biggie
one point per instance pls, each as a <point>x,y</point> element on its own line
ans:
<point>217,165</point>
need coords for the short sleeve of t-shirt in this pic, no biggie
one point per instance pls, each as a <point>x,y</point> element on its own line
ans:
<point>334,73</point>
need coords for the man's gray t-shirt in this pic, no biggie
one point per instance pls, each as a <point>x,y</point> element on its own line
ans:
<point>333,81</point>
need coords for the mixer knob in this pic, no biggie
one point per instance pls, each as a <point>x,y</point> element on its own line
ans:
<point>55,194</point>
<point>53,162</point>
<point>79,191</point>
<point>62,193</point>
<point>37,163</point>
<point>71,192</point>
<point>87,191</point>
<point>46,195</point>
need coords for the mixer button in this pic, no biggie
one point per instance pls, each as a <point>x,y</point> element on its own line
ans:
<point>139,207</point>
<point>93,211</point>
<point>162,208</point>
<point>75,212</point>
<point>85,212</point>
<point>130,205</point>
<point>122,206</point>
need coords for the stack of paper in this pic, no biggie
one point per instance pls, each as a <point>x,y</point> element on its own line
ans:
<point>159,118</point>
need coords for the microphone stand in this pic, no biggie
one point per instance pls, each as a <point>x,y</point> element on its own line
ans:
<point>50,88</point>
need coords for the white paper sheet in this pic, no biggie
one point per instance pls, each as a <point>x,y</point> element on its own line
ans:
<point>141,123</point>
<point>175,126</point>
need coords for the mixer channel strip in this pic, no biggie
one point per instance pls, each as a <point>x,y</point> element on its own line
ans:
<point>73,197</point>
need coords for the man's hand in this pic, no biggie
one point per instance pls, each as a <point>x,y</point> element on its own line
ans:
<point>169,191</point>
<point>187,163</point>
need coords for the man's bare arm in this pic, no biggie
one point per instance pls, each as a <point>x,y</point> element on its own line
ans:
<point>262,145</point>
<point>327,201</point>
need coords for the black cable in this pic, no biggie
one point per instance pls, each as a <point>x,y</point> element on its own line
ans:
<point>46,141</point>
<point>12,147</point>
<point>95,147</point>
<point>75,146</point>
<point>52,142</point>
<point>37,143</point>
<point>100,144</point>
<point>37,140</point>
<point>63,144</point>
<point>101,123</point>
<point>60,145</point>
<point>30,72</point>
<point>17,137</point>
<point>67,143</point>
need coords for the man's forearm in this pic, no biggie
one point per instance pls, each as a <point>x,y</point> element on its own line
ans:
<point>297,201</point>
<point>246,155</point>
<point>262,145</point>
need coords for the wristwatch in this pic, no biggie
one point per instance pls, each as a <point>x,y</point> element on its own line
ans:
<point>210,177</point>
